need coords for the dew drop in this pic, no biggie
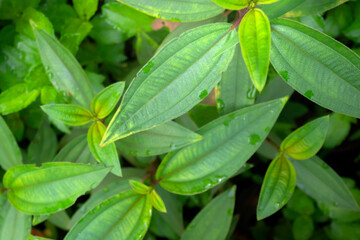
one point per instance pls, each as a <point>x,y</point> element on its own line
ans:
<point>220,104</point>
<point>147,152</point>
<point>226,123</point>
<point>51,75</point>
<point>172,146</point>
<point>254,139</point>
<point>309,94</point>
<point>148,67</point>
<point>252,92</point>
<point>267,129</point>
<point>203,94</point>
<point>277,205</point>
<point>284,75</point>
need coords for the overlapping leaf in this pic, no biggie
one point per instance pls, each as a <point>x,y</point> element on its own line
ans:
<point>10,154</point>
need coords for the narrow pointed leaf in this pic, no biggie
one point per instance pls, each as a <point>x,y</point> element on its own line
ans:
<point>307,140</point>
<point>317,66</point>
<point>10,154</point>
<point>255,40</point>
<point>228,143</point>
<point>124,216</point>
<point>51,187</point>
<point>139,187</point>
<point>157,202</point>
<point>232,4</point>
<point>85,8</point>
<point>107,154</point>
<point>312,7</point>
<point>67,113</point>
<point>169,84</point>
<point>277,188</point>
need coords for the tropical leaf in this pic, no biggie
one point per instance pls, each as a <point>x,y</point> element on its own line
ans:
<point>280,8</point>
<point>67,113</point>
<point>312,7</point>
<point>10,154</point>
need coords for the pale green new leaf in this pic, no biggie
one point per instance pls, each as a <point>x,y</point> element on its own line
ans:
<point>10,154</point>
<point>277,188</point>
<point>255,41</point>
<point>312,7</point>
<point>85,8</point>
<point>265,1</point>
<point>67,113</point>
<point>169,84</point>
<point>51,187</point>
<point>157,202</point>
<point>124,216</point>
<point>307,140</point>
<point>228,143</point>
<point>280,8</point>
<point>232,4</point>
<point>139,187</point>
<point>317,66</point>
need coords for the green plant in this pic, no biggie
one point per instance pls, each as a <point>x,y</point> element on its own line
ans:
<point>194,105</point>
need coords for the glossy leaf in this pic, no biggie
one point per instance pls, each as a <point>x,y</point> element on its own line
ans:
<point>176,10</point>
<point>280,8</point>
<point>232,4</point>
<point>139,187</point>
<point>307,140</point>
<point>157,202</point>
<point>106,155</point>
<point>10,154</point>
<point>67,113</point>
<point>277,188</point>
<point>255,39</point>
<point>312,7</point>
<point>228,143</point>
<point>85,8</point>
<point>51,187</point>
<point>213,221</point>
<point>169,85</point>
<point>329,71</point>
<point>124,216</point>
<point>105,101</point>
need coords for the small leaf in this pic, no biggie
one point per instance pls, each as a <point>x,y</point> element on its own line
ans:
<point>307,140</point>
<point>67,113</point>
<point>255,40</point>
<point>232,4</point>
<point>10,154</point>
<point>105,101</point>
<point>107,154</point>
<point>85,8</point>
<point>139,187</point>
<point>157,202</point>
<point>277,188</point>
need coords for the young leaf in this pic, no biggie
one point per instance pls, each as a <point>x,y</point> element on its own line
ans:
<point>232,4</point>
<point>255,40</point>
<point>124,216</point>
<point>139,187</point>
<point>329,73</point>
<point>277,188</point>
<point>105,101</point>
<point>307,140</point>
<point>85,8</point>
<point>67,113</point>
<point>10,154</point>
<point>228,143</point>
<point>107,154</point>
<point>157,202</point>
<point>170,85</point>
<point>51,187</point>
<point>213,221</point>
<point>176,10</point>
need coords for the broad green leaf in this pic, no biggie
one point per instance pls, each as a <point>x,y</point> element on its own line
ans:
<point>176,10</point>
<point>85,8</point>
<point>307,140</point>
<point>67,113</point>
<point>10,154</point>
<point>64,71</point>
<point>105,101</point>
<point>145,47</point>
<point>228,143</point>
<point>328,73</point>
<point>105,33</point>
<point>312,7</point>
<point>124,216</point>
<point>232,4</point>
<point>51,187</point>
<point>213,221</point>
<point>303,228</point>
<point>255,41</point>
<point>157,202</point>
<point>139,187</point>
<point>321,182</point>
<point>339,129</point>
<point>107,154</point>
<point>164,138</point>
<point>280,8</point>
<point>170,85</point>
<point>277,188</point>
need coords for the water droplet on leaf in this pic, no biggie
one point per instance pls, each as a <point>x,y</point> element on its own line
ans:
<point>203,94</point>
<point>309,94</point>
<point>254,139</point>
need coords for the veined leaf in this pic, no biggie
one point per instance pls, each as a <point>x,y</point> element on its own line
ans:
<point>10,154</point>
<point>124,216</point>
<point>280,8</point>
<point>107,154</point>
<point>277,188</point>
<point>307,140</point>
<point>176,10</point>
<point>232,4</point>
<point>67,113</point>
<point>157,202</point>
<point>213,221</point>
<point>317,66</point>
<point>228,143</point>
<point>85,8</point>
<point>255,41</point>
<point>64,71</point>
<point>312,7</point>
<point>170,85</point>
<point>164,138</point>
<point>139,187</point>
<point>51,187</point>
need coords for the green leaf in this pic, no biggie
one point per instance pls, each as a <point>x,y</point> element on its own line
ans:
<point>11,9</point>
<point>307,140</point>
<point>176,10</point>
<point>85,8</point>
<point>303,228</point>
<point>67,113</point>
<point>51,187</point>
<point>255,40</point>
<point>213,221</point>
<point>277,188</point>
<point>107,154</point>
<point>10,154</point>
<point>228,143</point>
<point>164,138</point>
<point>339,129</point>
<point>157,202</point>
<point>105,101</point>
<point>124,216</point>
<point>280,8</point>
<point>312,7</point>
<point>202,114</point>
<point>331,82</point>
<point>139,187</point>
<point>232,4</point>
<point>145,47</point>
<point>64,71</point>
<point>153,98</point>
<point>265,1</point>
<point>321,182</point>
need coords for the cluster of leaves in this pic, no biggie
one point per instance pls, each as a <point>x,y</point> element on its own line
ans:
<point>164,148</point>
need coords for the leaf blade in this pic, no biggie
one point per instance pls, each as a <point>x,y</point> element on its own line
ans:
<point>67,113</point>
<point>10,154</point>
